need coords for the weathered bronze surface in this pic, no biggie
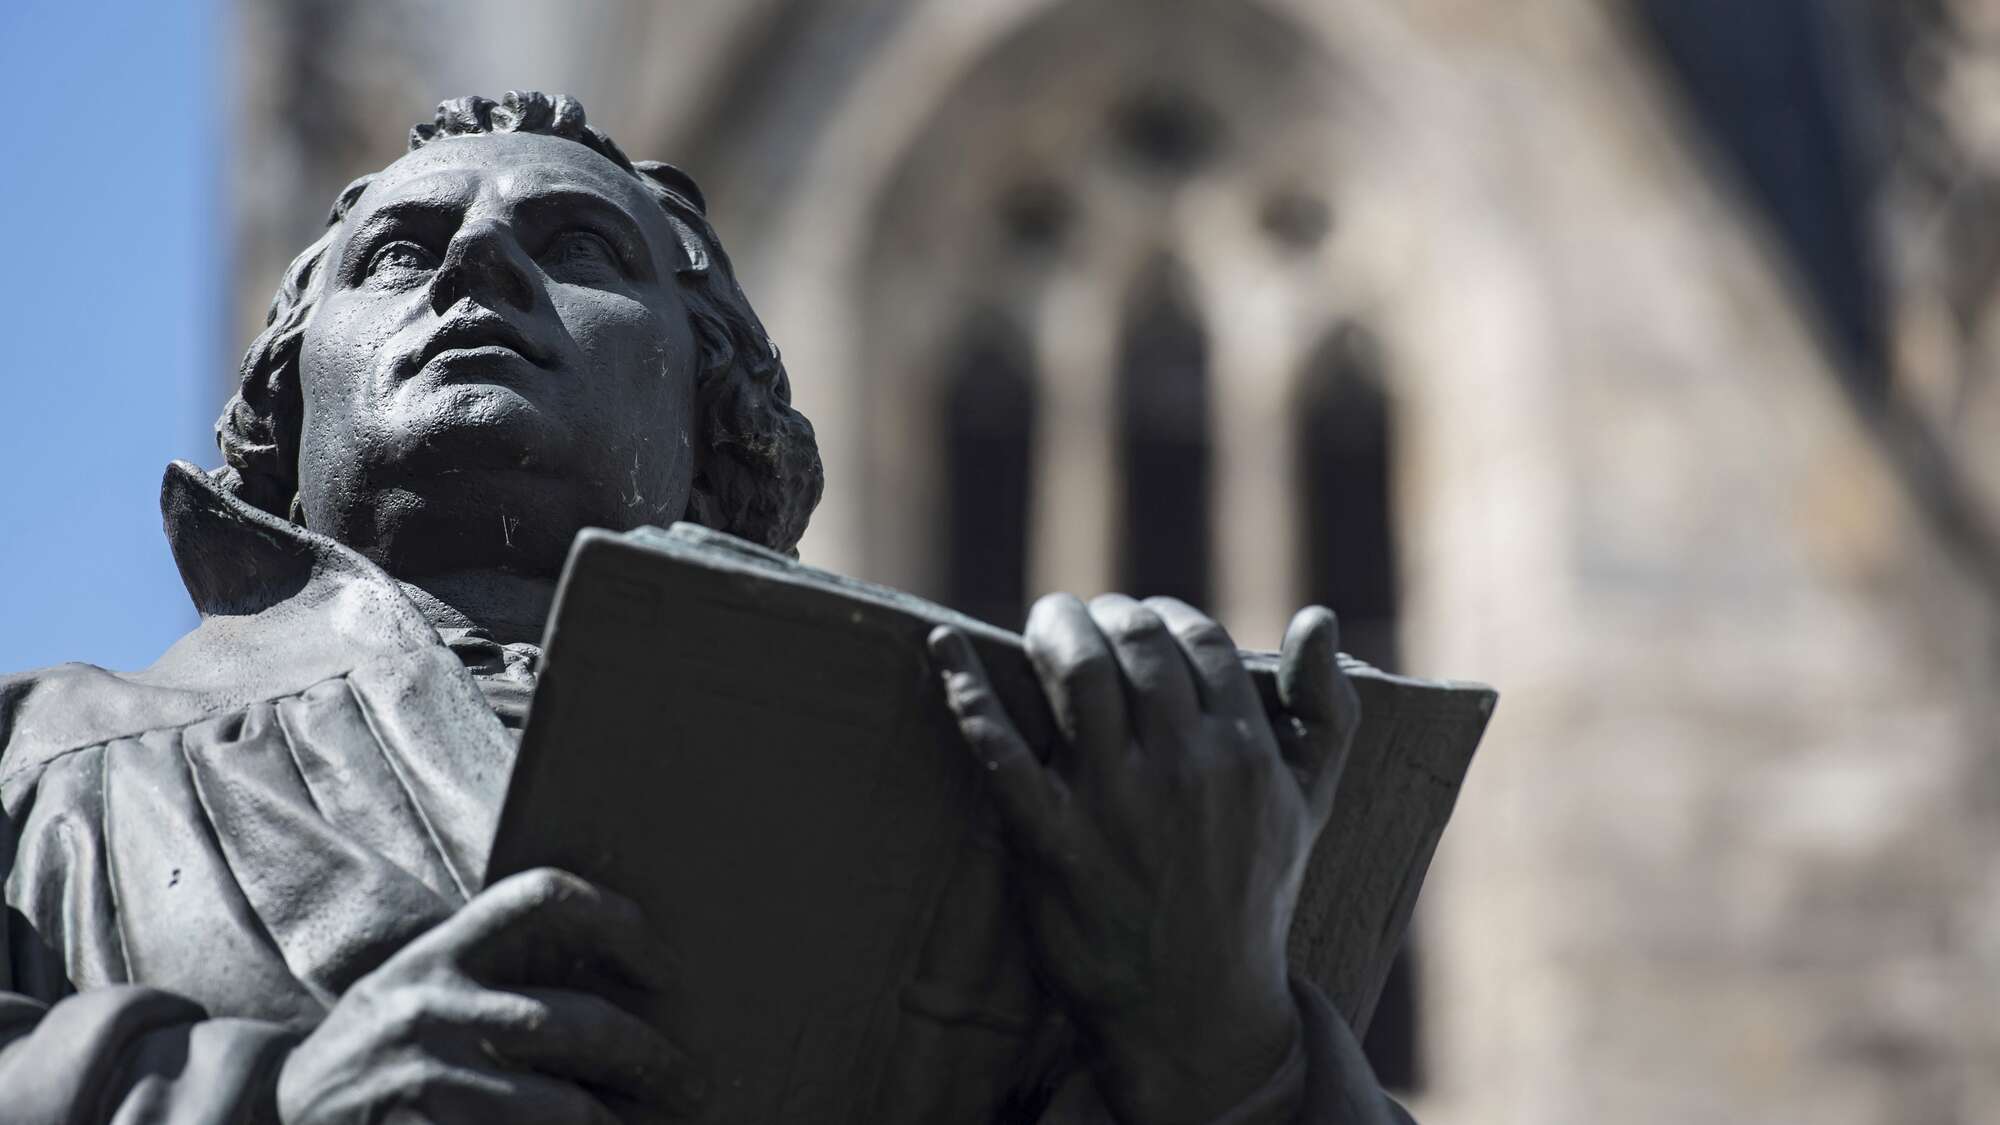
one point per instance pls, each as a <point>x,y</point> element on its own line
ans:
<point>247,882</point>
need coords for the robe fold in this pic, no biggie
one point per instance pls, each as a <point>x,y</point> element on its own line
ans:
<point>202,856</point>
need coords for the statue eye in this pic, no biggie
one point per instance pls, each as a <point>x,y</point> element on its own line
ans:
<point>583,254</point>
<point>400,261</point>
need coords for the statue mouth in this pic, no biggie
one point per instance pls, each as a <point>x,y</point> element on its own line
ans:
<point>474,362</point>
<point>472,344</point>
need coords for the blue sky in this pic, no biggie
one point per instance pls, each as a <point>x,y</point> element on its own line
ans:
<point>111,307</point>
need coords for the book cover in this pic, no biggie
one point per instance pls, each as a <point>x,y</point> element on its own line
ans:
<point>759,754</point>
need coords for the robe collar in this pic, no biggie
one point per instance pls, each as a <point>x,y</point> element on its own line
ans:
<point>282,607</point>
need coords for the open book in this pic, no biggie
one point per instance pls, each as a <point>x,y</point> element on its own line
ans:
<point>760,755</point>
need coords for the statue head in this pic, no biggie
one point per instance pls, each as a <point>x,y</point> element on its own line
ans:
<point>509,334</point>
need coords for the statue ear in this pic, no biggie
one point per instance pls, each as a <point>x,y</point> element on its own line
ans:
<point>344,202</point>
<point>674,180</point>
<point>685,196</point>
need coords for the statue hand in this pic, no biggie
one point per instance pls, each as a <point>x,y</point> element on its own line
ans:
<point>501,1013</point>
<point>1164,843</point>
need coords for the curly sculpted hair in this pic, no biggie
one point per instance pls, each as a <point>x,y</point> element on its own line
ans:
<point>758,473</point>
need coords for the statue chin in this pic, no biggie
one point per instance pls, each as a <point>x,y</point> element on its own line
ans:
<point>471,426</point>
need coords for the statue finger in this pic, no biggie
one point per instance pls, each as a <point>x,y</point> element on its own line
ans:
<point>584,1038</point>
<point>1160,697</point>
<point>1221,684</point>
<point>1080,677</point>
<point>1027,793</point>
<point>1322,708</point>
<point>545,927</point>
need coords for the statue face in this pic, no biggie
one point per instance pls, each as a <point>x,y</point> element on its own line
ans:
<point>498,359</point>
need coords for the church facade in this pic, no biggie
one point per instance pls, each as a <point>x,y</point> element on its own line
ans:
<point>1454,316</point>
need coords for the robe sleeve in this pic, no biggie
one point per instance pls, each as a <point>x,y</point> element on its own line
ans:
<point>119,1054</point>
<point>127,1053</point>
<point>1325,1081</point>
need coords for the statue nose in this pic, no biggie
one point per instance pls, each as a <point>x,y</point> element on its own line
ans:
<point>483,262</point>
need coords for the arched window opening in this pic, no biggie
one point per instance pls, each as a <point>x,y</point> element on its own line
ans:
<point>989,433</point>
<point>1350,557</point>
<point>1163,442</point>
<point>1350,565</point>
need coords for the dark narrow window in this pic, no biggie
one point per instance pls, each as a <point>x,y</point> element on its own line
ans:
<point>1350,556</point>
<point>1350,565</point>
<point>989,428</point>
<point>1163,444</point>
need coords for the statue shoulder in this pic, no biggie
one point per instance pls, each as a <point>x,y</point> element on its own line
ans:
<point>48,712</point>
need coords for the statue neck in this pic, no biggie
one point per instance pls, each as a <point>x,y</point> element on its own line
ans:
<point>507,608</point>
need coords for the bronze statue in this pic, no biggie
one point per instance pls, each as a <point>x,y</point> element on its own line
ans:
<point>244,883</point>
